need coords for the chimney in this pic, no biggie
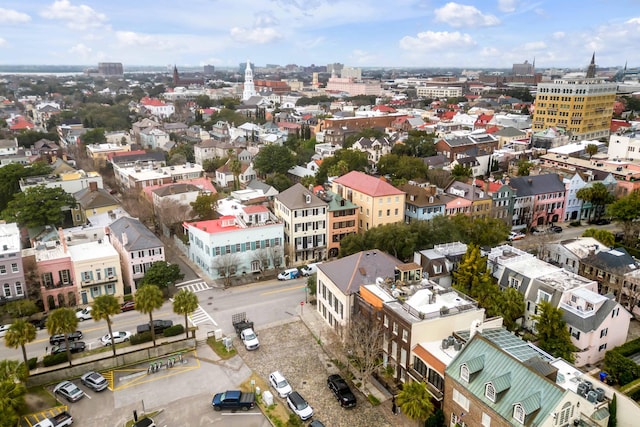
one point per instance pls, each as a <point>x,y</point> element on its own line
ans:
<point>63,241</point>
<point>93,186</point>
<point>125,240</point>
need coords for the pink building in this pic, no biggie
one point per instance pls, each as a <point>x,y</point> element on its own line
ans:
<point>459,205</point>
<point>547,196</point>
<point>55,274</point>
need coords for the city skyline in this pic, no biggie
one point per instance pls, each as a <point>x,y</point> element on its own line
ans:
<point>358,33</point>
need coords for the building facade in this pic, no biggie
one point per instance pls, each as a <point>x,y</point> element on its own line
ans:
<point>11,269</point>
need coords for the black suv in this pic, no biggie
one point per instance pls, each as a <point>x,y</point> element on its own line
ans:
<point>158,326</point>
<point>341,390</point>
<point>59,338</point>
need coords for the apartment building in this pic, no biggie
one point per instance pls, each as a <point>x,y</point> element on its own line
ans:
<point>12,272</point>
<point>96,270</point>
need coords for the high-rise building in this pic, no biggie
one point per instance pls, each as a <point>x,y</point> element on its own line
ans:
<point>249,87</point>
<point>110,68</point>
<point>209,70</point>
<point>583,106</point>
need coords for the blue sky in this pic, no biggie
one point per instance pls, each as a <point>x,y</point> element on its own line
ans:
<point>359,33</point>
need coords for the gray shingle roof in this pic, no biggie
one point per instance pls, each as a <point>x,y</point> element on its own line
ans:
<point>537,184</point>
<point>295,198</point>
<point>139,237</point>
<point>590,323</point>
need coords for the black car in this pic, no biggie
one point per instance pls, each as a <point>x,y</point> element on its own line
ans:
<point>59,338</point>
<point>74,347</point>
<point>555,229</point>
<point>158,326</point>
<point>601,221</point>
<point>341,390</point>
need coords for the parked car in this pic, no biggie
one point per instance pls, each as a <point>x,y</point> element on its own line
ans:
<point>341,391</point>
<point>288,274</point>
<point>279,383</point>
<point>513,236</point>
<point>233,399</point>
<point>59,338</point>
<point>69,391</point>
<point>145,422</point>
<point>299,406</point>
<point>128,306</point>
<point>535,230</point>
<point>61,419</point>
<point>4,329</point>
<point>84,314</point>
<point>74,347</point>
<point>158,326</point>
<point>94,381</point>
<point>316,423</point>
<point>310,269</point>
<point>118,337</point>
<point>601,221</point>
<point>555,229</point>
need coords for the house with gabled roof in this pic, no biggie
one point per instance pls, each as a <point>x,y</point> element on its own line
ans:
<point>609,267</point>
<point>423,203</point>
<point>138,248</point>
<point>539,200</point>
<point>92,201</point>
<point>379,202</point>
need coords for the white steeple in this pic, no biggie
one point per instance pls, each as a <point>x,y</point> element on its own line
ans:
<point>249,88</point>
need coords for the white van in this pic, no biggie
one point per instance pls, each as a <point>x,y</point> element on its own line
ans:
<point>288,274</point>
<point>310,269</point>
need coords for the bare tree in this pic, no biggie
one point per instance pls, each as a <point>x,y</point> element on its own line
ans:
<point>363,343</point>
<point>275,254</point>
<point>262,256</point>
<point>134,202</point>
<point>171,212</point>
<point>227,265</point>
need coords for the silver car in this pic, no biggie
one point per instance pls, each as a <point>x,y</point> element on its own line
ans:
<point>94,381</point>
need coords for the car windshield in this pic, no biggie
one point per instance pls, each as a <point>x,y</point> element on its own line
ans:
<point>250,337</point>
<point>301,405</point>
<point>283,384</point>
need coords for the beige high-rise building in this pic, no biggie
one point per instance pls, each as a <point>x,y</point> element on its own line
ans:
<point>581,105</point>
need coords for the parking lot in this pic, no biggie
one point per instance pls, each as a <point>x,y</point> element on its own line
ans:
<point>291,349</point>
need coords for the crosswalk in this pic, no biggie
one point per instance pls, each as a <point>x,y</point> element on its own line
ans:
<point>197,285</point>
<point>200,317</point>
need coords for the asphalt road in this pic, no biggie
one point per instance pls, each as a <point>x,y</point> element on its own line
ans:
<point>535,242</point>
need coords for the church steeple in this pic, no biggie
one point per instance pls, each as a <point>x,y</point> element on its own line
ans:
<point>591,71</point>
<point>176,76</point>
<point>249,88</point>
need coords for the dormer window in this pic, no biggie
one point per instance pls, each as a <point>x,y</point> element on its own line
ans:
<point>518,413</point>
<point>464,373</point>
<point>490,392</point>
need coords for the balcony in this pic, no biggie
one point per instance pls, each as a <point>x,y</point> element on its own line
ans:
<point>57,285</point>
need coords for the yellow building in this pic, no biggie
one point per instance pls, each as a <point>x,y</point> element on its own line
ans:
<point>581,105</point>
<point>378,201</point>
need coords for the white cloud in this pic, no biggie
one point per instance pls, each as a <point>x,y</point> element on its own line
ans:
<point>359,56</point>
<point>260,35</point>
<point>80,50</point>
<point>635,21</point>
<point>3,42</point>
<point>8,16</point>
<point>507,6</point>
<point>130,38</point>
<point>80,17</point>
<point>459,15</point>
<point>539,45</point>
<point>437,40</point>
<point>558,35</point>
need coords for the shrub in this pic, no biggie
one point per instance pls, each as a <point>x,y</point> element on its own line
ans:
<point>32,363</point>
<point>374,400</point>
<point>54,359</point>
<point>140,338</point>
<point>294,421</point>
<point>173,330</point>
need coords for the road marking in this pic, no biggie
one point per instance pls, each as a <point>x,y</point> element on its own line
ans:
<point>195,286</point>
<point>277,291</point>
<point>199,316</point>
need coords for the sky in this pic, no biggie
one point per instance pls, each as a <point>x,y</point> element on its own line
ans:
<point>358,33</point>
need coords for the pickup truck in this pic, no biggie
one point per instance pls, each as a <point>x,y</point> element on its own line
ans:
<point>341,391</point>
<point>62,419</point>
<point>233,399</point>
<point>158,326</point>
<point>244,329</point>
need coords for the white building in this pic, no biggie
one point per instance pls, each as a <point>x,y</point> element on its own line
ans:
<point>438,91</point>
<point>624,147</point>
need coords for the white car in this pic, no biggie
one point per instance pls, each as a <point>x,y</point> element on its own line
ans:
<point>118,337</point>
<point>513,236</point>
<point>84,314</point>
<point>4,329</point>
<point>280,384</point>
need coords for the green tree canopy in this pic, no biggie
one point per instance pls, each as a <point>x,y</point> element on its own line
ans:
<point>352,161</point>
<point>162,274</point>
<point>10,176</point>
<point>185,302</point>
<point>415,401</point>
<point>402,168</point>
<point>272,159</point>
<point>598,195</point>
<point>93,136</point>
<point>510,305</point>
<point>103,308</point>
<point>460,172</point>
<point>186,150</point>
<point>148,299</point>
<point>27,138</point>
<point>524,167</point>
<point>603,236</point>
<point>204,207</point>
<point>62,321</point>
<point>38,206</point>
<point>12,391</point>
<point>279,181</point>
<point>552,334</point>
<point>364,133</point>
<point>20,333</point>
<point>626,210</point>
<point>419,143</point>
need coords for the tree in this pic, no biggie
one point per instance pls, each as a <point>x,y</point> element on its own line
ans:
<point>204,207</point>
<point>162,274</point>
<point>21,307</point>
<point>511,307</point>
<point>93,136</point>
<point>471,266</point>
<point>460,172</point>
<point>613,411</point>
<point>38,206</point>
<point>279,181</point>
<point>211,165</point>
<point>552,334</point>
<point>603,236</point>
<point>591,150</point>
<point>626,210</point>
<point>419,143</point>
<point>273,159</point>
<point>524,167</point>
<point>171,211</point>
<point>10,176</point>
<point>62,321</point>
<point>353,161</point>
<point>105,306</point>
<point>20,333</point>
<point>364,339</point>
<point>148,299</point>
<point>598,195</point>
<point>402,168</point>
<point>185,302</point>
<point>415,401</point>
<point>226,265</point>
<point>12,391</point>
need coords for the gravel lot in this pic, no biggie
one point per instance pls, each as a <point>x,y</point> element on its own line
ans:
<point>291,349</point>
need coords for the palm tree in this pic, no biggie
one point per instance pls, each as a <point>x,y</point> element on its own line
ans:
<point>149,298</point>
<point>104,307</point>
<point>63,321</point>
<point>185,302</point>
<point>415,401</point>
<point>12,391</point>
<point>20,333</point>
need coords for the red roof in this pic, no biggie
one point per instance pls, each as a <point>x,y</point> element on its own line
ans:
<point>288,125</point>
<point>255,209</point>
<point>152,102</point>
<point>384,109</point>
<point>617,124</point>
<point>492,129</point>
<point>367,184</point>
<point>19,123</point>
<point>448,115</point>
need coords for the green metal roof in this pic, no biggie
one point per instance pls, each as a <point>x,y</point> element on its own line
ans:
<point>476,364</point>
<point>502,383</point>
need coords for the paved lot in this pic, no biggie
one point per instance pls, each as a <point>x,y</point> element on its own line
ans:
<point>291,349</point>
